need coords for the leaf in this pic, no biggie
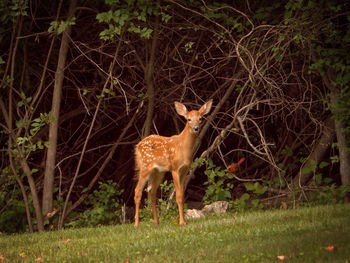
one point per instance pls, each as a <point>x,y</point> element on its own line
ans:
<point>323,164</point>
<point>19,124</point>
<point>39,259</point>
<point>282,257</point>
<point>330,248</point>
<point>318,179</point>
<point>310,167</point>
<point>245,196</point>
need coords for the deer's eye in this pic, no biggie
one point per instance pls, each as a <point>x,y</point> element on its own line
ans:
<point>201,118</point>
<point>189,119</point>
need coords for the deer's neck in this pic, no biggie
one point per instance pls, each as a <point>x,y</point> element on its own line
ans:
<point>186,141</point>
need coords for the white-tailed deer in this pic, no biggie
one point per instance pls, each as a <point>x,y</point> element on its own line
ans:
<point>155,155</point>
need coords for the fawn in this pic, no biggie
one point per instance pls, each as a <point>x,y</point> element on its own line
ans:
<point>155,155</point>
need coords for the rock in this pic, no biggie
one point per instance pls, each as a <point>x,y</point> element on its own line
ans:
<point>219,207</point>
<point>193,213</point>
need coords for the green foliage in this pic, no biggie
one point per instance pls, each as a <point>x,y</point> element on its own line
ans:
<point>60,27</point>
<point>255,188</point>
<point>27,142</point>
<point>12,209</point>
<point>219,184</point>
<point>189,47</point>
<point>164,209</point>
<point>219,188</point>
<point>267,12</point>
<point>130,16</point>
<point>105,206</point>
<point>250,200</point>
<point>167,210</point>
<point>329,194</point>
<point>11,9</point>
<point>242,203</point>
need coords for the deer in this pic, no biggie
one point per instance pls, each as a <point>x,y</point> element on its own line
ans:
<point>155,155</point>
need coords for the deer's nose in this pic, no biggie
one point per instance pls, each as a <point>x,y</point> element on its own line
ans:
<point>196,128</point>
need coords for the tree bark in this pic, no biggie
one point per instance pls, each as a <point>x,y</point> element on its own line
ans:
<point>47,202</point>
<point>149,70</point>
<point>316,155</point>
<point>344,150</point>
<point>36,202</point>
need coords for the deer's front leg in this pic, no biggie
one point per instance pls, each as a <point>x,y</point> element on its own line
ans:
<point>178,177</point>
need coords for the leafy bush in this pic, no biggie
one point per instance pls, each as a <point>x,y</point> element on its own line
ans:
<point>329,194</point>
<point>106,206</point>
<point>219,184</point>
<point>12,210</point>
<point>250,200</point>
<point>166,207</point>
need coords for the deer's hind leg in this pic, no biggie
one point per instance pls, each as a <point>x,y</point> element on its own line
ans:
<point>156,179</point>
<point>143,177</point>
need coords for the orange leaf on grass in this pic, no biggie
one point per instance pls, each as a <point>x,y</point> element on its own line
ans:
<point>2,258</point>
<point>39,259</point>
<point>282,257</point>
<point>329,248</point>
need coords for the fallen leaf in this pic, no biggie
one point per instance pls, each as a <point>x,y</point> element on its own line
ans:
<point>68,241</point>
<point>329,248</point>
<point>23,255</point>
<point>39,259</point>
<point>248,233</point>
<point>281,257</point>
<point>125,261</point>
<point>2,258</point>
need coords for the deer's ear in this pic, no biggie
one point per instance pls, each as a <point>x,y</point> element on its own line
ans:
<point>206,108</point>
<point>180,109</point>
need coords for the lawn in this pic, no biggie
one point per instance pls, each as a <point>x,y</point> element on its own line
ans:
<point>316,234</point>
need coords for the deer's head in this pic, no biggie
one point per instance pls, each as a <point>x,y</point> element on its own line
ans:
<point>195,117</point>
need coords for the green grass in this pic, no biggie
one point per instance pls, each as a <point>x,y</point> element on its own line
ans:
<point>300,235</point>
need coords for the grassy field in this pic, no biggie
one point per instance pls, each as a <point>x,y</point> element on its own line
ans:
<point>317,234</point>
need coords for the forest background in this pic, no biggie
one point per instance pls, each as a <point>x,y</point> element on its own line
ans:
<point>83,81</point>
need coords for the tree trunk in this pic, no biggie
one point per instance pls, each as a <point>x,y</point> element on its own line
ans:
<point>149,70</point>
<point>36,202</point>
<point>344,152</point>
<point>316,155</point>
<point>56,100</point>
